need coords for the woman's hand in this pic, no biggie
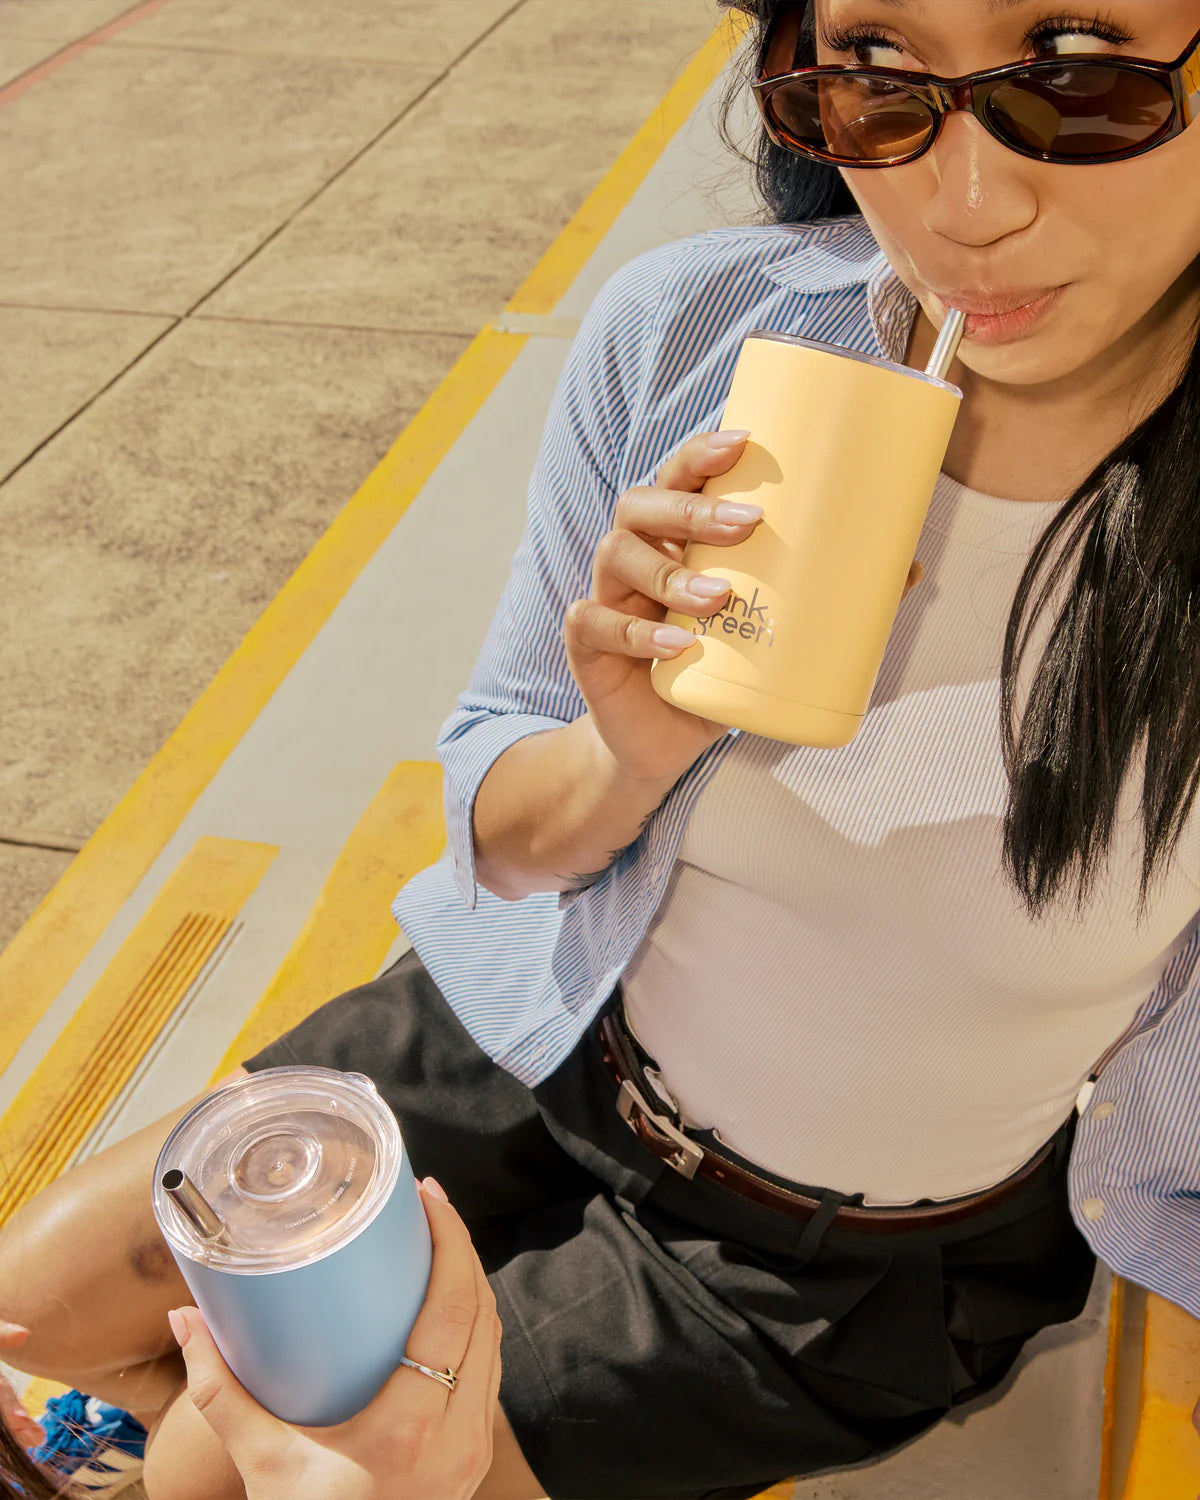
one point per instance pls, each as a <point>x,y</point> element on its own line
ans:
<point>20,1423</point>
<point>614,635</point>
<point>416,1440</point>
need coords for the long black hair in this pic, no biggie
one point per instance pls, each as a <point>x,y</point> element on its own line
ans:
<point>21,1478</point>
<point>1120,672</point>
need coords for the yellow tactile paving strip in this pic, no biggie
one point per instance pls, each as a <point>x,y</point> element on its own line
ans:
<point>107,1037</point>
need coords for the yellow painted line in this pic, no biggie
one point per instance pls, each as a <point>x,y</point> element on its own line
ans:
<point>60,933</point>
<point>102,1044</point>
<point>551,278</point>
<point>1166,1453</point>
<point>1112,1379</point>
<point>38,1391</point>
<point>350,930</point>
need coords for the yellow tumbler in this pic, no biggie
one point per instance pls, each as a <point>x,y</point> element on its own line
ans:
<point>843,455</point>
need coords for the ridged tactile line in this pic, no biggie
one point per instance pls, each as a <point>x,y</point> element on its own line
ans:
<point>80,1106</point>
<point>102,1045</point>
<point>155,998</point>
<point>57,937</point>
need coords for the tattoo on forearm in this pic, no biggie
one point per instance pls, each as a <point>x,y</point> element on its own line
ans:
<point>580,882</point>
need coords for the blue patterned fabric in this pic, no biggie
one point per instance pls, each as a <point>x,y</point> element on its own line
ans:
<point>649,368</point>
<point>81,1430</point>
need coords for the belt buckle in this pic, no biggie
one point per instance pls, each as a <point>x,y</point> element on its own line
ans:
<point>687,1155</point>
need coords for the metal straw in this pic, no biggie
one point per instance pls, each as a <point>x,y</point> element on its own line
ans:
<point>947,344</point>
<point>192,1203</point>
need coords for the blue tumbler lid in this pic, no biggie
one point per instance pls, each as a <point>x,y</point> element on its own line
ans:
<point>291,1162</point>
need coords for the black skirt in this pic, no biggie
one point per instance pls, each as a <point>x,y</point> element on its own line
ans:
<point>666,1338</point>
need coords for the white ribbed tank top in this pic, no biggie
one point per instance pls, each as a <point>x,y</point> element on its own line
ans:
<point>840,980</point>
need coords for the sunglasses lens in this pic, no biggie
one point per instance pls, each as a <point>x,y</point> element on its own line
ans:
<point>1080,112</point>
<point>850,118</point>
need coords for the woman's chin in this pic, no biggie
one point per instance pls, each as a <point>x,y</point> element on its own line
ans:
<point>1031,361</point>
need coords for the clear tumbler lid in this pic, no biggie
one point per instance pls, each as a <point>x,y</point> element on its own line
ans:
<point>939,363</point>
<point>277,1169</point>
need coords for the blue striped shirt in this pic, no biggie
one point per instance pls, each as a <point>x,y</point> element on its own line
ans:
<point>650,367</point>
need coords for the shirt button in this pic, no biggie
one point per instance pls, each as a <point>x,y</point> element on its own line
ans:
<point>1093,1210</point>
<point>1102,1110</point>
<point>537,1054</point>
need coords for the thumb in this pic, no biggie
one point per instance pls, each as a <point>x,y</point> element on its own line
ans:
<point>249,1432</point>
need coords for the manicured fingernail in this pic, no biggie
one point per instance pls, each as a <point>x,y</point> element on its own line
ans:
<point>731,437</point>
<point>729,514</point>
<point>435,1190</point>
<point>709,588</point>
<point>13,1331</point>
<point>179,1326</point>
<point>673,637</point>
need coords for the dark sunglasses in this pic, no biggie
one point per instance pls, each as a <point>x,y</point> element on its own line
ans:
<point>1062,109</point>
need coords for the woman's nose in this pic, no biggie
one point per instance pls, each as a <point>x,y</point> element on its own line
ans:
<point>981,191</point>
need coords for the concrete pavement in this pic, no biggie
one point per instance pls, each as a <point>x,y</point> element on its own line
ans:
<point>242,243</point>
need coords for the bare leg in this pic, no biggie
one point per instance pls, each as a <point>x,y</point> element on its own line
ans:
<point>185,1458</point>
<point>84,1268</point>
<point>186,1461</point>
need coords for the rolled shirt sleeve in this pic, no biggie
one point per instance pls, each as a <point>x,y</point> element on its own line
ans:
<point>522,684</point>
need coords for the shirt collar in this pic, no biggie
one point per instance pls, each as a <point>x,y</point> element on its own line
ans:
<point>841,255</point>
<point>892,308</point>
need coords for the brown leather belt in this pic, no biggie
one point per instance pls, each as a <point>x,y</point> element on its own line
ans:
<point>663,1138</point>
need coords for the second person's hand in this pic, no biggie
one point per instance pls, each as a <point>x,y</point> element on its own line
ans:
<point>416,1440</point>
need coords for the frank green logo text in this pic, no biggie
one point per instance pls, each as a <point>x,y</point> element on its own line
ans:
<point>746,618</point>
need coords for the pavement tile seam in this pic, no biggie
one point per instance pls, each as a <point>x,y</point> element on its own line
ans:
<point>346,57</point>
<point>346,166</point>
<point>83,406</point>
<point>112,312</point>
<point>51,842</point>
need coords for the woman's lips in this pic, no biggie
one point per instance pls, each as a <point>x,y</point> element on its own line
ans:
<point>1001,320</point>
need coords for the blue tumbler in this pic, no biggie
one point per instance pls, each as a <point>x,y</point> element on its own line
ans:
<point>289,1204</point>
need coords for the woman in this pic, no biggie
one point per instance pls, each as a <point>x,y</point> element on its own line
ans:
<point>753,1068</point>
<point>413,1440</point>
